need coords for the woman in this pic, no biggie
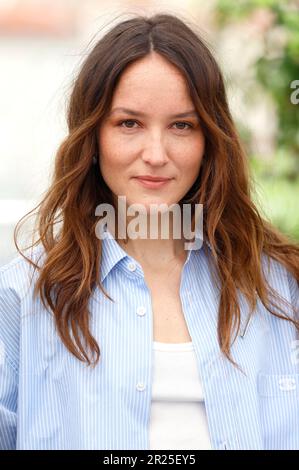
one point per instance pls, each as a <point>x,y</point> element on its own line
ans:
<point>140,343</point>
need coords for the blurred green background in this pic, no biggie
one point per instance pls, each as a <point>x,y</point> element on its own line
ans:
<point>275,68</point>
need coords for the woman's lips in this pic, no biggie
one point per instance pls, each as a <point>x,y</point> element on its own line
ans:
<point>152,184</point>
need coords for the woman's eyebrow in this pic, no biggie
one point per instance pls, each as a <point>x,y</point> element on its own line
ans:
<point>133,112</point>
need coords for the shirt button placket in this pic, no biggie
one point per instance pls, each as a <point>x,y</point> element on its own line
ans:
<point>132,266</point>
<point>140,386</point>
<point>141,310</point>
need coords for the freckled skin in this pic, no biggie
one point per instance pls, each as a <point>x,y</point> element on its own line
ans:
<point>155,144</point>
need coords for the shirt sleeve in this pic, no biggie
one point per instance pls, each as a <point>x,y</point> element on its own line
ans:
<point>294,292</point>
<point>8,405</point>
<point>9,353</point>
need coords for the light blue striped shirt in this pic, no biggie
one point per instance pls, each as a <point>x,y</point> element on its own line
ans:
<point>51,400</point>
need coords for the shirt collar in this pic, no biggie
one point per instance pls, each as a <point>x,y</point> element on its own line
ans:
<point>113,253</point>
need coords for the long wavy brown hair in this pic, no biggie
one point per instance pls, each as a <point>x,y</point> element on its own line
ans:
<point>237,232</point>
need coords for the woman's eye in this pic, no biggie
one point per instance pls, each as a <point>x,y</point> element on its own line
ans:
<point>127,120</point>
<point>190,126</point>
<point>184,124</point>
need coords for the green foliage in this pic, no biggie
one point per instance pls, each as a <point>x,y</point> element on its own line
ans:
<point>229,10</point>
<point>276,188</point>
<point>278,66</point>
<point>276,193</point>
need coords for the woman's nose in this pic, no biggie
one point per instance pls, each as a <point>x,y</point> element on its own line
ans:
<point>155,154</point>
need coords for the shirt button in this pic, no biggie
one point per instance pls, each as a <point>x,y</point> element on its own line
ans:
<point>287,384</point>
<point>141,310</point>
<point>132,266</point>
<point>140,386</point>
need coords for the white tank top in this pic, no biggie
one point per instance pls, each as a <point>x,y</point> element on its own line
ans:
<point>178,418</point>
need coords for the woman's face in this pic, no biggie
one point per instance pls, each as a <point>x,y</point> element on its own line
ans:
<point>154,141</point>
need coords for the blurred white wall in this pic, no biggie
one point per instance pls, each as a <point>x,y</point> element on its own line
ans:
<point>34,74</point>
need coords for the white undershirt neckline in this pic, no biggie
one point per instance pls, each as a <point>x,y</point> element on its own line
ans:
<point>162,346</point>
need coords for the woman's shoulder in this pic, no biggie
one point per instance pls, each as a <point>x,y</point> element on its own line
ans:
<point>15,283</point>
<point>281,279</point>
<point>15,275</point>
